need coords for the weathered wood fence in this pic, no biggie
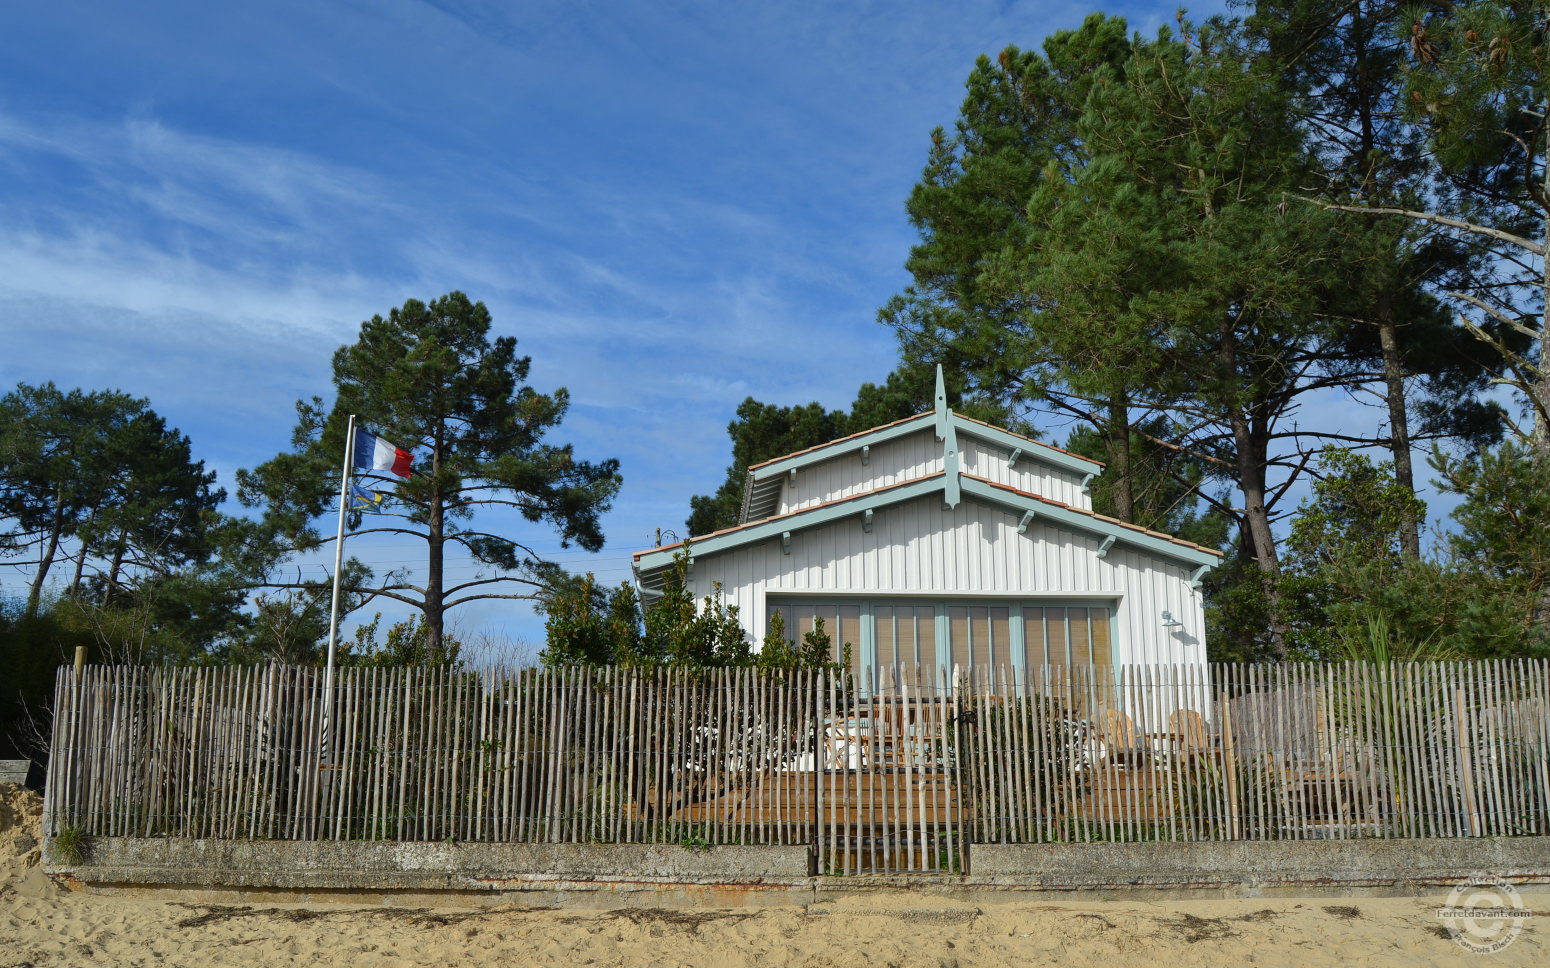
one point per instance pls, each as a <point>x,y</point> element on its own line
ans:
<point>896,772</point>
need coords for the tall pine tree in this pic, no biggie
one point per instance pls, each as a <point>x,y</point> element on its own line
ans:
<point>430,378</point>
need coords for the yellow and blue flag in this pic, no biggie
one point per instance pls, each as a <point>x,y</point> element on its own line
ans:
<point>362,499</point>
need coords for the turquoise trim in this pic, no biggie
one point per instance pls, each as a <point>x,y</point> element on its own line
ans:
<point>870,438</point>
<point>1197,574</point>
<point>1078,521</point>
<point>990,494</point>
<point>773,528</point>
<point>1033,449</point>
<point>944,421</point>
<point>939,407</point>
<point>868,646</point>
<point>952,490</point>
<point>1019,661</point>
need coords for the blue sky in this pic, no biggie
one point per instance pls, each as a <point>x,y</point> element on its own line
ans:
<point>673,206</point>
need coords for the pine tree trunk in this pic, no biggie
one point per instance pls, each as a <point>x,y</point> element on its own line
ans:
<point>1121,485</point>
<point>1541,388</point>
<point>1399,423</point>
<point>434,601</point>
<point>80,570</point>
<point>117,566</point>
<point>1251,444</point>
<point>1251,480</point>
<point>46,559</point>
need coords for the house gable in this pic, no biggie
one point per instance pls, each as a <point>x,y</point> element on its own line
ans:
<point>907,449</point>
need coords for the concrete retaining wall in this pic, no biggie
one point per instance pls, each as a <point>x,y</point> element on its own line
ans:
<point>413,866</point>
<point>1257,867</point>
<point>583,875</point>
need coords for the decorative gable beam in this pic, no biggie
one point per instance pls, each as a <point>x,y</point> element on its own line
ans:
<point>866,453</point>
<point>791,479</point>
<point>866,520</point>
<point>947,432</point>
<point>1011,460</point>
<point>1087,483</point>
<point>1197,574</point>
<point>952,487</point>
<point>785,542</point>
<point>1022,526</point>
<point>943,415</point>
<point>1103,549</point>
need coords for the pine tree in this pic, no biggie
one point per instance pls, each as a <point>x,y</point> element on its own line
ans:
<point>429,378</point>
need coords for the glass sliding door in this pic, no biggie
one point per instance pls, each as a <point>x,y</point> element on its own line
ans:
<point>1044,641</point>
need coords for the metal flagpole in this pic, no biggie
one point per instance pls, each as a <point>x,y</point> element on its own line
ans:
<point>333,614</point>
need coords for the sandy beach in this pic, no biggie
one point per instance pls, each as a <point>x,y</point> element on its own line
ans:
<point>44,926</point>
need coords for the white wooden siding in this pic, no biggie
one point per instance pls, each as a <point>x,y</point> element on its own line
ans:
<point>892,462</point>
<point>919,549</point>
<point>987,460</point>
<point>918,455</point>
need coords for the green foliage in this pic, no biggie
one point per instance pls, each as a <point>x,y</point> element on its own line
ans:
<point>779,651</point>
<point>587,626</point>
<point>590,627</point>
<point>1352,593</point>
<point>430,378</point>
<point>1502,546</point>
<point>408,643</point>
<point>99,478</point>
<point>1354,515</point>
<point>71,844</point>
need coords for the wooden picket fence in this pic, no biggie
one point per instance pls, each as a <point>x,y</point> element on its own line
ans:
<point>895,771</point>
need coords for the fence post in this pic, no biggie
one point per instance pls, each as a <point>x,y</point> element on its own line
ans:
<point>1466,764</point>
<point>1229,766</point>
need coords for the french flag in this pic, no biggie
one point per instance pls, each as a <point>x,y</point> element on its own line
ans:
<point>372,453</point>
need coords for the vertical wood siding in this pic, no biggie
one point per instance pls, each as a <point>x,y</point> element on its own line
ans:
<point>919,455</point>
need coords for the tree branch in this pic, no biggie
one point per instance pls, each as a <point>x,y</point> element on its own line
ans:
<point>1454,223</point>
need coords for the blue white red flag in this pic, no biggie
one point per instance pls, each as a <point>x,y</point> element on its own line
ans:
<point>372,453</point>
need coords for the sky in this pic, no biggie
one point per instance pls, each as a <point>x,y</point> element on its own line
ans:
<point>672,206</point>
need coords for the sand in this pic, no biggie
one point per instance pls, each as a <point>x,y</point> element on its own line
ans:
<point>42,926</point>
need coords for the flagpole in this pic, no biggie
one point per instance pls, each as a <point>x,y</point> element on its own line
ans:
<point>333,614</point>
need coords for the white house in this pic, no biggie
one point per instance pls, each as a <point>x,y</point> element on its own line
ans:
<point>941,541</point>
